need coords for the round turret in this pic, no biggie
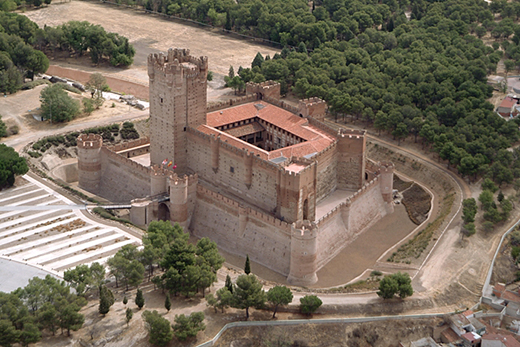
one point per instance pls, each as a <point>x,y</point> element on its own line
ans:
<point>304,251</point>
<point>89,161</point>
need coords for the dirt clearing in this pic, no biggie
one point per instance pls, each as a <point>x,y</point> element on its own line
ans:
<point>150,34</point>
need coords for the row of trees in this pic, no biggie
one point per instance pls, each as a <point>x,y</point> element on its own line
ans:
<point>22,43</point>
<point>44,304</point>
<point>80,37</point>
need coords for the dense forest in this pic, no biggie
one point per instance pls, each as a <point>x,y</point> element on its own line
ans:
<point>411,68</point>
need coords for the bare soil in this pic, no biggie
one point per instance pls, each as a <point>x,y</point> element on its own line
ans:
<point>153,34</point>
<point>389,333</point>
<point>417,203</point>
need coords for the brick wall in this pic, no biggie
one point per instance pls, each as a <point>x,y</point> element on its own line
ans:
<point>265,239</point>
<point>122,179</point>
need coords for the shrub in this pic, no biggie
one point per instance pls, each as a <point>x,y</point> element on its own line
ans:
<point>13,130</point>
<point>309,304</point>
<point>69,88</point>
<point>33,84</point>
<point>34,154</point>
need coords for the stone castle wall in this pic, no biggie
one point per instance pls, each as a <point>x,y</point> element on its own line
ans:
<point>242,231</point>
<point>231,175</point>
<point>123,178</point>
<point>326,174</point>
<point>346,221</point>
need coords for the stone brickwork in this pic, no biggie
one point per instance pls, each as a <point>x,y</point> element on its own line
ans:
<point>247,199</point>
<point>178,95</point>
<point>89,162</point>
<point>268,89</point>
<point>312,107</point>
<point>351,159</point>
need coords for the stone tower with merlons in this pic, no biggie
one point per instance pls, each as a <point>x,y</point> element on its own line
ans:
<point>177,101</point>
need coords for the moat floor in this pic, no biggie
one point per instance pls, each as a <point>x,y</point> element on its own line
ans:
<point>366,249</point>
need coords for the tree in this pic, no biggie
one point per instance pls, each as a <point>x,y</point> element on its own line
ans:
<point>488,184</point>
<point>139,299</point>
<point>158,328</point>
<point>96,85</point>
<point>207,253</point>
<point>247,267</point>
<point>400,132</point>
<point>70,318</point>
<point>106,299</point>
<point>309,304</point>
<point>167,303</point>
<point>79,278</point>
<point>210,76</point>
<point>486,199</point>
<point>248,293</point>
<point>57,105</point>
<point>125,300</point>
<point>11,165</point>
<point>231,72</point>
<point>229,284</point>
<point>398,283</point>
<point>212,301</point>
<point>189,326</point>
<point>129,314</point>
<point>279,296</point>
<point>258,60</point>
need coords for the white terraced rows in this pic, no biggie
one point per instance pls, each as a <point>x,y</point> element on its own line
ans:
<point>55,239</point>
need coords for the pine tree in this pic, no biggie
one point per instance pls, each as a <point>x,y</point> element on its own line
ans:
<point>231,72</point>
<point>228,25</point>
<point>129,315</point>
<point>259,59</point>
<point>139,299</point>
<point>229,284</point>
<point>125,300</point>
<point>247,268</point>
<point>106,299</point>
<point>168,303</point>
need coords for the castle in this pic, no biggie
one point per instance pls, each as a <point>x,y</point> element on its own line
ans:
<point>254,174</point>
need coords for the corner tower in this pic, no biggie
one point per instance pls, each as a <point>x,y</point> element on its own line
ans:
<point>89,162</point>
<point>178,97</point>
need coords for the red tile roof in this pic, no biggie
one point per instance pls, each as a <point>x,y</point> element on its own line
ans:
<point>450,335</point>
<point>316,140</point>
<point>233,141</point>
<point>510,296</point>
<point>508,102</point>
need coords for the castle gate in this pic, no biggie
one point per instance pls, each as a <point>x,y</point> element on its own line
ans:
<point>163,212</point>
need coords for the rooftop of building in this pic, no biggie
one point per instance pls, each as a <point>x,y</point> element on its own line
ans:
<point>507,341</point>
<point>508,102</point>
<point>314,139</point>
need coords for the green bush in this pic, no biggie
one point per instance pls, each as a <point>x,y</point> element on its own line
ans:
<point>515,251</point>
<point>128,125</point>
<point>34,154</point>
<point>33,84</point>
<point>68,87</point>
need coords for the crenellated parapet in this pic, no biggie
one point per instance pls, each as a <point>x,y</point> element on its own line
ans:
<point>312,107</point>
<point>304,264</point>
<point>177,61</point>
<point>129,144</point>
<point>89,141</point>
<point>231,102</point>
<point>269,89</point>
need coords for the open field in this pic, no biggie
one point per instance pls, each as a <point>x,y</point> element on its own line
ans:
<point>152,34</point>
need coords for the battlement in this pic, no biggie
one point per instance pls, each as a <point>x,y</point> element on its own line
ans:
<point>125,161</point>
<point>157,171</point>
<point>284,226</point>
<point>177,60</point>
<point>385,166</point>
<point>184,180</point>
<point>348,201</point>
<point>130,144</point>
<point>313,100</point>
<point>89,141</point>
<point>231,102</point>
<point>269,89</point>
<point>350,133</point>
<point>307,163</point>
<point>322,126</point>
<point>304,229</point>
